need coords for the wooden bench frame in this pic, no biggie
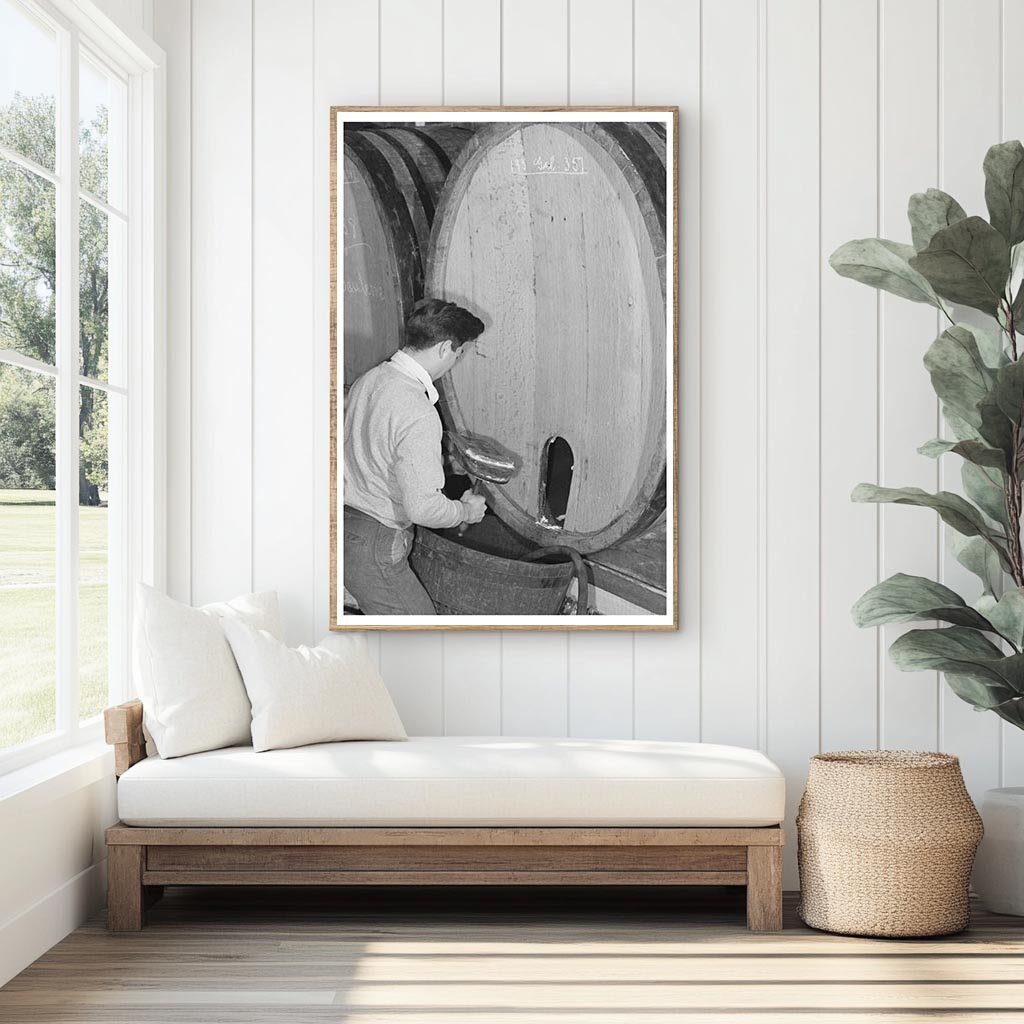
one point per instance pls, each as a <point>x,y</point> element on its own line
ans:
<point>142,860</point>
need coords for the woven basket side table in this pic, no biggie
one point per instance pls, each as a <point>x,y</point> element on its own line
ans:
<point>886,841</point>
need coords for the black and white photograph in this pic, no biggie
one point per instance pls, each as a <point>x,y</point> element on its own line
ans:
<point>503,333</point>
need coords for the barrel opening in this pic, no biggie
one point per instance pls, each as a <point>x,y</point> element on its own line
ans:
<point>556,468</point>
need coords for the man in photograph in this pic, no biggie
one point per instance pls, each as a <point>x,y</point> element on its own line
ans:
<point>393,467</point>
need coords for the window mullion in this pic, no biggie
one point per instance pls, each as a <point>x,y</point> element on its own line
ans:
<point>67,386</point>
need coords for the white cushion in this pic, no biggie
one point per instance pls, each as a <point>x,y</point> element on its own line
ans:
<point>456,780</point>
<point>191,691</point>
<point>309,694</point>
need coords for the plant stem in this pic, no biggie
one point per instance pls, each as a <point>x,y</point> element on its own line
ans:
<point>1013,510</point>
<point>1012,496</point>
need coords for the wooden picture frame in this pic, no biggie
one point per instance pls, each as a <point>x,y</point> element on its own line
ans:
<point>632,584</point>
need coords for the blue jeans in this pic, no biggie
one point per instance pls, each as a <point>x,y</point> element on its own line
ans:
<point>376,566</point>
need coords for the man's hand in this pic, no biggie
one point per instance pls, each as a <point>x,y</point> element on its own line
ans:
<point>475,507</point>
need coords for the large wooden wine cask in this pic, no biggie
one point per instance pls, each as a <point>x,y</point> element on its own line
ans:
<point>392,178</point>
<point>554,234</point>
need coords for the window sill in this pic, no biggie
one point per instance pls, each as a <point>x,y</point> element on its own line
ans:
<point>55,776</point>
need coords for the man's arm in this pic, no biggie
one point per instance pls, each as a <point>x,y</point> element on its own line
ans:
<point>420,475</point>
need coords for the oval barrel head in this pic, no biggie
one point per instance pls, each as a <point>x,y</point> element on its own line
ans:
<point>556,232</point>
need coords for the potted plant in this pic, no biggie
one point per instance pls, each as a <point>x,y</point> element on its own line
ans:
<point>977,372</point>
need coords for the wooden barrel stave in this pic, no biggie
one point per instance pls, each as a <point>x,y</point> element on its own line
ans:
<point>523,239</point>
<point>420,160</point>
<point>373,292</point>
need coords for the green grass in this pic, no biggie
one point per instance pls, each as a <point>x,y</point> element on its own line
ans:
<point>28,617</point>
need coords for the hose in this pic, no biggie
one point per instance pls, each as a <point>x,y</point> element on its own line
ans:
<point>582,586</point>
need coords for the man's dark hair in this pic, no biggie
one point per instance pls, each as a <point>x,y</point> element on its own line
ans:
<point>433,320</point>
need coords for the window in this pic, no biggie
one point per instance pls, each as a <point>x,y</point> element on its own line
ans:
<point>75,248</point>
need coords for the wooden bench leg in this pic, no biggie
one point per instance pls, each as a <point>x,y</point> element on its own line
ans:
<point>764,888</point>
<point>125,896</point>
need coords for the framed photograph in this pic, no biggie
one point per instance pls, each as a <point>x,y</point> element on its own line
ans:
<point>504,317</point>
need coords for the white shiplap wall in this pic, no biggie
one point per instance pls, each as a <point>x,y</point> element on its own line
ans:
<point>804,123</point>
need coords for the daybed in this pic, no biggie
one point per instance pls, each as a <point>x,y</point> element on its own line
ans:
<point>444,811</point>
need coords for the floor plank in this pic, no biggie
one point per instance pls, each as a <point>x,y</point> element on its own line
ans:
<point>497,956</point>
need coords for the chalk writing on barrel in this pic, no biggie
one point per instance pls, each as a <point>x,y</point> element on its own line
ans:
<point>361,286</point>
<point>550,165</point>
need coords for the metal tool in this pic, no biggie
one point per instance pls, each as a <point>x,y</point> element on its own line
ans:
<point>484,459</point>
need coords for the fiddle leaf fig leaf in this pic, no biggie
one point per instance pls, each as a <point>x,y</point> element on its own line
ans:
<point>883,264</point>
<point>967,263</point>
<point>903,598</point>
<point>985,487</point>
<point>952,509</point>
<point>976,555</point>
<point>980,692</point>
<point>990,345</point>
<point>962,430</point>
<point>996,428</point>
<point>958,371</point>
<point>1009,390</point>
<point>1006,614</point>
<point>1017,309</point>
<point>963,652</point>
<point>922,650</point>
<point>932,211</point>
<point>973,451</point>
<point>1014,284</point>
<point>1011,711</point>
<point>1004,189</point>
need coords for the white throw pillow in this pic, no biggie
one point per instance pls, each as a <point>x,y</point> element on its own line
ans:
<point>192,693</point>
<point>309,694</point>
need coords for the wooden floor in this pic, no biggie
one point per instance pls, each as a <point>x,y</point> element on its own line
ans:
<point>269,956</point>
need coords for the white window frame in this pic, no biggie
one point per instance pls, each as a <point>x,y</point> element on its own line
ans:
<point>140,63</point>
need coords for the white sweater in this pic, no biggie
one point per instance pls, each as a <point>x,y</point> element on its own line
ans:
<point>392,453</point>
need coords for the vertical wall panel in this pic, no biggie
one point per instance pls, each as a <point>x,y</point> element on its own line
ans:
<point>472,661</point>
<point>346,27</point>
<point>410,51</point>
<point>909,414</point>
<point>729,384</point>
<point>849,372</point>
<point>792,385</point>
<point>283,308</point>
<point>472,52</point>
<point>412,665</point>
<point>601,685</point>
<point>534,59</point>
<point>601,668</point>
<point>472,684</point>
<point>221,371</point>
<point>600,51</point>
<point>535,688</point>
<point>173,30</point>
<point>1012,116</point>
<point>969,124</point>
<point>666,666</point>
